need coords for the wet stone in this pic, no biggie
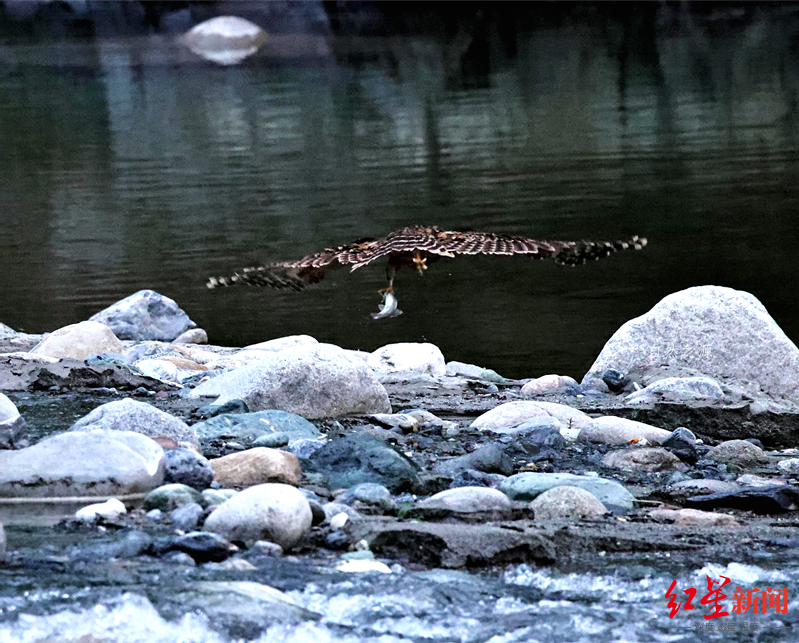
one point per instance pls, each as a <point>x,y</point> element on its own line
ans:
<point>762,500</point>
<point>202,546</point>
<point>682,443</point>
<point>171,496</point>
<point>184,466</point>
<point>187,517</point>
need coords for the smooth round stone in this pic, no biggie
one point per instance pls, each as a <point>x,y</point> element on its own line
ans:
<point>512,414</point>
<point>257,466</point>
<point>139,417</point>
<point>460,369</point>
<point>217,496</point>
<point>615,430</point>
<point>370,494</point>
<point>79,341</point>
<point>192,336</point>
<point>644,459</point>
<point>527,486</point>
<point>109,510</point>
<point>566,502</point>
<point>187,517</point>
<point>415,357</point>
<point>278,513</point>
<point>188,467</point>
<point>171,496</point>
<point>693,517</point>
<point>468,500</point>
<point>547,383</point>
<point>738,452</point>
<point>703,487</point>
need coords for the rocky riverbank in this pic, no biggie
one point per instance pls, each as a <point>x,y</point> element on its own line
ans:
<point>245,470</point>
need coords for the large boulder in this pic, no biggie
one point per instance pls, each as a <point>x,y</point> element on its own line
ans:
<point>139,417</point>
<point>12,425</point>
<point>91,463</point>
<point>79,341</point>
<point>145,315</point>
<point>708,330</point>
<point>314,381</point>
<point>278,513</point>
<point>424,359</point>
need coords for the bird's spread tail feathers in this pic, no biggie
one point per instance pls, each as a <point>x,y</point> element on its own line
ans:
<point>583,251</point>
<point>282,277</point>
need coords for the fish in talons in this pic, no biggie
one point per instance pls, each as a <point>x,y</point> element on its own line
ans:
<point>389,306</point>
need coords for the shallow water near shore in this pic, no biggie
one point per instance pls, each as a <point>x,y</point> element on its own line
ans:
<point>131,164</point>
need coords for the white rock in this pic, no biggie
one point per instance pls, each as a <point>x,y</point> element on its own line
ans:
<point>711,330</point>
<point>159,369</point>
<point>8,412</point>
<point>192,336</point>
<point>790,466</point>
<point>275,512</point>
<point>109,510</point>
<point>678,389</point>
<point>547,383</point>
<point>91,463</point>
<point>338,521</point>
<point>468,500</point>
<point>79,341</point>
<point>362,565</point>
<point>312,381</point>
<point>281,343</point>
<point>566,502</point>
<point>140,417</point>
<point>614,430</point>
<point>414,357</point>
<point>512,414</point>
<point>225,40</point>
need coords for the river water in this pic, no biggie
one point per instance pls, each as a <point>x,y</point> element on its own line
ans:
<point>129,163</point>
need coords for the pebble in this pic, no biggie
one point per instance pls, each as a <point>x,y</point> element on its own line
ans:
<point>566,502</point>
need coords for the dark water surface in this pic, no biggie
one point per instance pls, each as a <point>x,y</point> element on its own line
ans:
<point>127,163</point>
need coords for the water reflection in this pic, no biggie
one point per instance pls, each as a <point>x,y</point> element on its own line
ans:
<point>128,163</point>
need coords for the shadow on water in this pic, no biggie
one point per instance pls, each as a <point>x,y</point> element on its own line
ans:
<point>130,164</point>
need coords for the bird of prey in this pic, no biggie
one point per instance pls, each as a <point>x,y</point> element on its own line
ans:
<point>417,247</point>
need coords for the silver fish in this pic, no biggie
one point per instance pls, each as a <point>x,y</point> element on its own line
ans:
<point>388,308</point>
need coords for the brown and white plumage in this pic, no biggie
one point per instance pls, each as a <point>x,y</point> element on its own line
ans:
<point>415,246</point>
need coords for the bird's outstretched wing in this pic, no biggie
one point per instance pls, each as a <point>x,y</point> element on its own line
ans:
<point>427,239</point>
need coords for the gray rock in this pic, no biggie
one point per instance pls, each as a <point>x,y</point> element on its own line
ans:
<point>527,486</point>
<point>489,458</point>
<point>333,509</point>
<point>566,502</point>
<point>702,486</point>
<point>460,369</point>
<point>139,417</point>
<point>79,341</point>
<point>169,497</point>
<point>145,315</point>
<point>187,517</point>
<point>303,448</point>
<point>192,336</point>
<point>94,463</point>
<point>265,548</point>
<point>644,459</point>
<point>366,495</point>
<point>217,496</point>
<point>468,500</point>
<point>789,466</point>
<point>134,543</point>
<point>362,458</point>
<point>678,389</point>
<point>615,430</point>
<point>740,453</point>
<point>262,428</point>
<point>202,546</point>
<point>313,381</point>
<point>188,467</point>
<point>278,513</point>
<point>710,330</point>
<point>12,425</point>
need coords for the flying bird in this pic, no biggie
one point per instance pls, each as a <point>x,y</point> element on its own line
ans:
<point>417,247</point>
